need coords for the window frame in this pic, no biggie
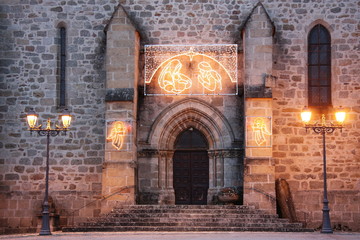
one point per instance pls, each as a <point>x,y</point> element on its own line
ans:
<point>318,48</point>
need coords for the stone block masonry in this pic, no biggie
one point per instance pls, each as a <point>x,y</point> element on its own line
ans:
<point>29,79</point>
<point>102,57</point>
<point>122,57</point>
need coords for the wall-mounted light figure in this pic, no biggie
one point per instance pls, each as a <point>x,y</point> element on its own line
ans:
<point>191,70</point>
<point>208,77</point>
<point>260,130</point>
<point>172,80</point>
<point>118,134</point>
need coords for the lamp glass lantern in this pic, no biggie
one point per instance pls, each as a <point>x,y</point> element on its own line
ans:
<point>31,118</point>
<point>66,118</point>
<point>340,116</point>
<point>306,115</point>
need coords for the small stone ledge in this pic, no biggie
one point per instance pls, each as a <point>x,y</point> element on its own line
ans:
<point>259,160</point>
<point>119,94</point>
<point>258,92</point>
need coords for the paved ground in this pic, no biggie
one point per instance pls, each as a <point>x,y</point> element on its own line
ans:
<point>186,236</point>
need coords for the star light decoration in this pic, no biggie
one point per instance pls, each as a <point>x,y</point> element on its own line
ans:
<point>191,70</point>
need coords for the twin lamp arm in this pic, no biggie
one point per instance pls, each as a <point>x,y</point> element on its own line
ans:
<point>32,118</point>
<point>339,116</point>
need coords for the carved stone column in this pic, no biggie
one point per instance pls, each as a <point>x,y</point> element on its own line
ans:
<point>219,162</point>
<point>216,174</point>
<point>166,189</point>
<point>161,170</point>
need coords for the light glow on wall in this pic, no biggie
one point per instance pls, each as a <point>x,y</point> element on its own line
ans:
<point>171,80</point>
<point>258,131</point>
<point>118,133</point>
<point>191,70</point>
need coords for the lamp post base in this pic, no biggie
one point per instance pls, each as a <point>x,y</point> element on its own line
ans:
<point>326,231</point>
<point>44,232</point>
<point>326,226</point>
<point>45,227</point>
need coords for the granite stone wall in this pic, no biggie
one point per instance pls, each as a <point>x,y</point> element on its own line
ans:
<point>29,70</point>
<point>29,79</point>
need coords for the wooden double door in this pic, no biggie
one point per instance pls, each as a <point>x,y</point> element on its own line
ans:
<point>191,177</point>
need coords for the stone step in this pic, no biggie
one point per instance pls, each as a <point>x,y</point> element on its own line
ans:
<point>182,222</point>
<point>173,219</point>
<point>184,207</point>
<point>169,217</point>
<point>217,210</point>
<point>190,215</point>
<point>187,218</point>
<point>195,224</point>
<point>188,211</point>
<point>184,229</point>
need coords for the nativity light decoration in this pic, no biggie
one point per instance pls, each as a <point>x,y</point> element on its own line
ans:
<point>190,70</point>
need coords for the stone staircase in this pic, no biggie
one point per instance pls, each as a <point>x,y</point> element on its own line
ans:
<point>187,218</point>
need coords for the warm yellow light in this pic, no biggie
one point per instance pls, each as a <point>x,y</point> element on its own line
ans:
<point>31,118</point>
<point>260,130</point>
<point>66,118</point>
<point>208,77</point>
<point>306,115</point>
<point>171,80</point>
<point>190,70</point>
<point>340,116</point>
<point>117,134</point>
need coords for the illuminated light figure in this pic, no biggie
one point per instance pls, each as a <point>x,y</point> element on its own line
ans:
<point>171,80</point>
<point>260,130</point>
<point>117,134</point>
<point>208,77</point>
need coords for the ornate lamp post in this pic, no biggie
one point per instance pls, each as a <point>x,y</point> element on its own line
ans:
<point>323,128</point>
<point>47,131</point>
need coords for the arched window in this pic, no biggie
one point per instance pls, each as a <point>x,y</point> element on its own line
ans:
<point>319,66</point>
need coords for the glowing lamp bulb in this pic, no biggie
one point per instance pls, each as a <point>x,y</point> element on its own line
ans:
<point>306,115</point>
<point>340,116</point>
<point>31,118</point>
<point>66,118</point>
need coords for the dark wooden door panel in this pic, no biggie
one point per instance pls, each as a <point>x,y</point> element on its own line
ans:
<point>191,177</point>
<point>199,195</point>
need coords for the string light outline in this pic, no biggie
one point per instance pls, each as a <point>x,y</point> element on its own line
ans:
<point>118,133</point>
<point>260,130</point>
<point>156,56</point>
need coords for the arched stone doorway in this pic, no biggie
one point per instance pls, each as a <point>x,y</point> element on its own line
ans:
<point>191,168</point>
<point>161,145</point>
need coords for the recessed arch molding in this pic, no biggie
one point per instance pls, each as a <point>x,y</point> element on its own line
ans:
<point>187,113</point>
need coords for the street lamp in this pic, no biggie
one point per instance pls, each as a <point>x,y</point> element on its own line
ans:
<point>323,128</point>
<point>32,118</point>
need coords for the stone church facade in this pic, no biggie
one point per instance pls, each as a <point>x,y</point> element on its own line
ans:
<point>174,101</point>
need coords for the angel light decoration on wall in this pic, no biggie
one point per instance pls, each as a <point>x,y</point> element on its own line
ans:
<point>260,130</point>
<point>118,134</point>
